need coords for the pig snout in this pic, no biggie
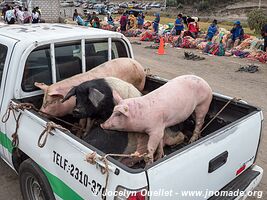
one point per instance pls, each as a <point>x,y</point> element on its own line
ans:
<point>107,125</point>
<point>104,125</point>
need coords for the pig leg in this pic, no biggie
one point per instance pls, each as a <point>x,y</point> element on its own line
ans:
<point>89,125</point>
<point>139,145</point>
<point>82,125</point>
<point>160,150</point>
<point>200,113</point>
<point>172,140</point>
<point>85,125</point>
<point>154,140</point>
<point>142,140</point>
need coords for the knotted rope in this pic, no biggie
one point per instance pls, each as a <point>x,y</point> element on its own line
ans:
<point>12,108</point>
<point>28,106</point>
<point>92,157</point>
<point>49,127</point>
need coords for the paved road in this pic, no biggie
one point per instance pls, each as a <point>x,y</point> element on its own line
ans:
<point>218,71</point>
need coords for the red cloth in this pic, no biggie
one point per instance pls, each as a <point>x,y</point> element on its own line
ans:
<point>147,36</point>
<point>246,36</point>
<point>260,56</point>
<point>123,20</point>
<point>192,27</point>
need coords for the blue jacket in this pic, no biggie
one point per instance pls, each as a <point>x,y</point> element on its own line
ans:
<point>212,30</point>
<point>140,20</point>
<point>179,23</point>
<point>237,32</point>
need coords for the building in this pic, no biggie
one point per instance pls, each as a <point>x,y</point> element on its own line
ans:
<point>50,9</point>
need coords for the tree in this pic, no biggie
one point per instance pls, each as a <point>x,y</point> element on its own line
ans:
<point>256,20</point>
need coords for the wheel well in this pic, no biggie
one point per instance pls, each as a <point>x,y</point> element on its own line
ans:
<point>18,157</point>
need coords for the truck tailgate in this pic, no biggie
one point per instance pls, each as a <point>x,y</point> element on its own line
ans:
<point>209,164</point>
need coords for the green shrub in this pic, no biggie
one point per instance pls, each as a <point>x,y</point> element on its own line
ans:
<point>256,20</point>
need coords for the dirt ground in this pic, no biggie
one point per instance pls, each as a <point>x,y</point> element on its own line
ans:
<point>220,74</point>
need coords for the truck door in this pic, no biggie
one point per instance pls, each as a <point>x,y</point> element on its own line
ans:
<point>6,48</point>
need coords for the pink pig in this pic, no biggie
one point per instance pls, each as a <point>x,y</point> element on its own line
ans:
<point>126,69</point>
<point>166,106</point>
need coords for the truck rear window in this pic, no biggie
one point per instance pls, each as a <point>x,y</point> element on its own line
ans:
<point>96,53</point>
<point>3,53</point>
<point>37,69</point>
<point>68,60</point>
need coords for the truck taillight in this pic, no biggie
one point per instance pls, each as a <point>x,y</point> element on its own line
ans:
<point>128,194</point>
<point>241,169</point>
<point>137,196</point>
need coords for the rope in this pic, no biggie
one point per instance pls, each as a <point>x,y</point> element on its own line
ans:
<point>91,158</point>
<point>61,120</point>
<point>15,138</point>
<point>28,106</point>
<point>217,114</point>
<point>49,127</point>
<point>12,108</point>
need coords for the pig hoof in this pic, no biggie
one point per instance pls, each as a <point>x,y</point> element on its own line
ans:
<point>148,160</point>
<point>193,139</point>
<point>159,156</point>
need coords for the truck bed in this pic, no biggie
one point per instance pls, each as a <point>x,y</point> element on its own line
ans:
<point>233,113</point>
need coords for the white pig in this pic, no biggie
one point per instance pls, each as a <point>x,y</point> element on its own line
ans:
<point>166,106</point>
<point>126,69</point>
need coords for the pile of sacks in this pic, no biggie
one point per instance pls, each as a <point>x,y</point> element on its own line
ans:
<point>250,47</point>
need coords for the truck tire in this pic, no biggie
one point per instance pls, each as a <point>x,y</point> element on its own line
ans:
<point>33,183</point>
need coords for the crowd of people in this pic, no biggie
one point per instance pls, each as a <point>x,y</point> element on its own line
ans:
<point>93,19</point>
<point>21,15</point>
<point>183,26</point>
<point>189,26</point>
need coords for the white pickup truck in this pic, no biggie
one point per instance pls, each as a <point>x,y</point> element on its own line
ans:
<point>214,167</point>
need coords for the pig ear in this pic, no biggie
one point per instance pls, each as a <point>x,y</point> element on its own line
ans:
<point>95,96</point>
<point>117,98</point>
<point>71,93</point>
<point>55,94</point>
<point>122,109</point>
<point>42,86</point>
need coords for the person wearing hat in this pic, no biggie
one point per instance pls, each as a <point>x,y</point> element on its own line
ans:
<point>237,34</point>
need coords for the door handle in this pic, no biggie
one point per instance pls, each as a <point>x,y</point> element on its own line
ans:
<point>218,161</point>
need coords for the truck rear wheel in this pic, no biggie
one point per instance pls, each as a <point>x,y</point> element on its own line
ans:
<point>33,183</point>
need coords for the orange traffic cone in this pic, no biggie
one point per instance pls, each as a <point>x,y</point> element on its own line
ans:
<point>161,47</point>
